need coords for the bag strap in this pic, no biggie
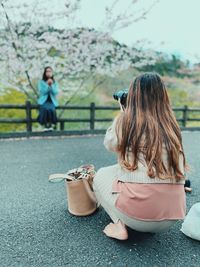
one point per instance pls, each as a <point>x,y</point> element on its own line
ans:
<point>58,177</point>
<point>90,193</point>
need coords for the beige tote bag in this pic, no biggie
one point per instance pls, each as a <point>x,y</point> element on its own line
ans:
<point>81,199</point>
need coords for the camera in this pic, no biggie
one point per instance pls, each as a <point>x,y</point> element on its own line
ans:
<point>122,95</point>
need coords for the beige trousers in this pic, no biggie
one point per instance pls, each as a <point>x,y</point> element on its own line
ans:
<point>102,185</point>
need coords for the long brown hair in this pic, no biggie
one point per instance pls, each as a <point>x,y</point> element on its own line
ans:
<point>147,124</point>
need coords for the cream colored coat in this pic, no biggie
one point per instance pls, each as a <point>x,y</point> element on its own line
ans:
<point>139,175</point>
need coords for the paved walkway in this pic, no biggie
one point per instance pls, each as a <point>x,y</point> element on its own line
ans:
<point>37,230</point>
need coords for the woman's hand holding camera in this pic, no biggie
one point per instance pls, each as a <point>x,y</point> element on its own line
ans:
<point>121,106</point>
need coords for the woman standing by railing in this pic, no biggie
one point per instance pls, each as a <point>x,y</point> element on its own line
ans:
<point>48,89</point>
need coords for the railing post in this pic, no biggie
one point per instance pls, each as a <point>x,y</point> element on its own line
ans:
<point>92,115</point>
<point>62,126</point>
<point>185,115</point>
<point>28,117</point>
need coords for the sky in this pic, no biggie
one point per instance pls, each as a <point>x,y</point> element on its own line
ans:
<point>171,26</point>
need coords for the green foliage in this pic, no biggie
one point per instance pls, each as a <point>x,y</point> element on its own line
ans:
<point>181,98</point>
<point>169,65</point>
<point>12,96</point>
<point>178,97</point>
<point>85,114</point>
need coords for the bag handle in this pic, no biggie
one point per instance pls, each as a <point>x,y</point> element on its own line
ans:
<point>90,193</point>
<point>59,177</point>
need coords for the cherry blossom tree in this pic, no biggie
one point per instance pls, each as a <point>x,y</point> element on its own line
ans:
<point>30,40</point>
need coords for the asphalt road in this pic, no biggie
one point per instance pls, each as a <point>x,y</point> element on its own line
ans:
<point>37,230</point>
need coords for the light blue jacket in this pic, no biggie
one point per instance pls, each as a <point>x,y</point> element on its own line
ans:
<point>45,89</point>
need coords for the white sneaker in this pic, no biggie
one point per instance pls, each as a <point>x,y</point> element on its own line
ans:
<point>45,129</point>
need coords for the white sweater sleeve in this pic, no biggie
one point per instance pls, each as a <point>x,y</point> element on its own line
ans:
<point>110,139</point>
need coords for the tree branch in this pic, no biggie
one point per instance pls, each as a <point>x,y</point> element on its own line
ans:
<point>17,53</point>
<point>94,87</point>
<point>74,94</point>
<point>30,83</point>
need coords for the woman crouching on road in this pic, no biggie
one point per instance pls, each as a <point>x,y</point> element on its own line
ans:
<point>145,189</point>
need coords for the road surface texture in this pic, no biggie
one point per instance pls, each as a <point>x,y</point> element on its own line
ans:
<point>37,230</point>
